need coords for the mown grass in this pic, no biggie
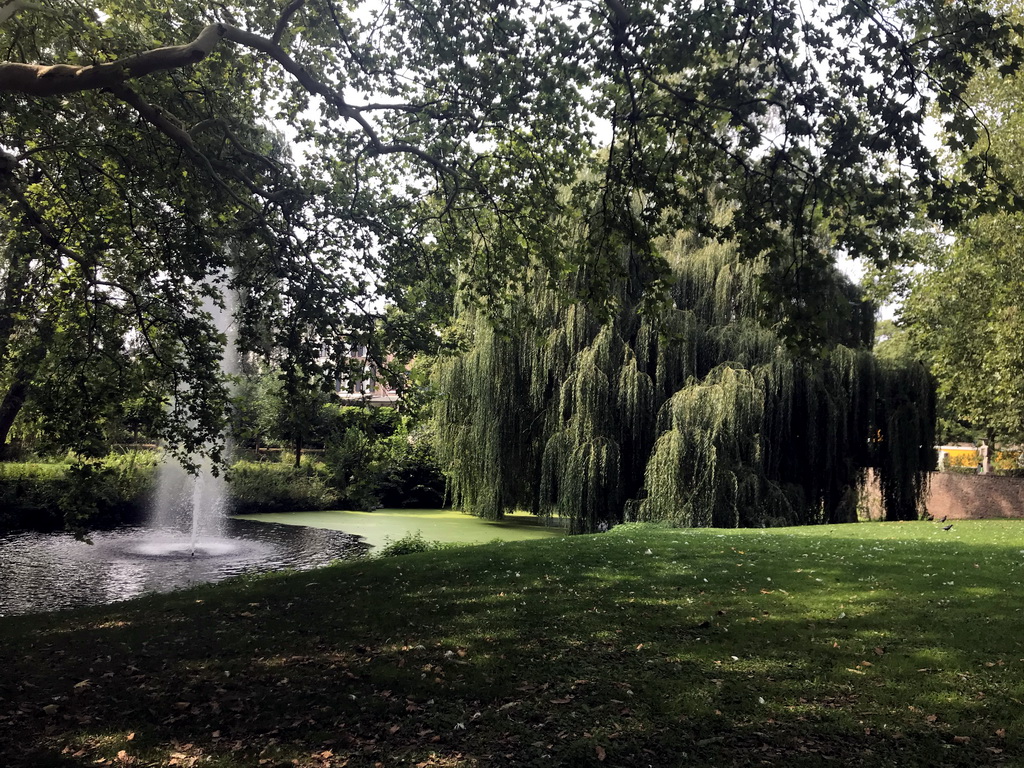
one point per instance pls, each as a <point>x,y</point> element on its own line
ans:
<point>865,645</point>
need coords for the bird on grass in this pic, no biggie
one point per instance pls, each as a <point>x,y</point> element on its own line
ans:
<point>943,518</point>
<point>947,527</point>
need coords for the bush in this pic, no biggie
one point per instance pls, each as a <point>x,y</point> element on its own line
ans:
<point>30,495</point>
<point>410,544</point>
<point>393,471</point>
<point>412,477</point>
<point>74,493</point>
<point>960,470</point>
<point>271,487</point>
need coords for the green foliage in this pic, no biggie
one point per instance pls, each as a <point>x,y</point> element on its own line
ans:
<point>395,471</point>
<point>30,494</point>
<point>964,311</point>
<point>398,471</point>
<point>696,413</point>
<point>278,487</point>
<point>373,457</point>
<point>369,458</point>
<point>138,190</point>
<point>410,544</point>
<point>76,493</point>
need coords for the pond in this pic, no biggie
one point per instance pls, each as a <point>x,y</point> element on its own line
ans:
<point>53,571</point>
<point>448,525</point>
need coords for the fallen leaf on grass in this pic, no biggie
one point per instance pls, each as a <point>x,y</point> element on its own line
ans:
<point>961,739</point>
<point>600,753</point>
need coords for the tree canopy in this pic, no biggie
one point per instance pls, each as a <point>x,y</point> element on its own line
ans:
<point>962,311</point>
<point>698,415</point>
<point>427,145</point>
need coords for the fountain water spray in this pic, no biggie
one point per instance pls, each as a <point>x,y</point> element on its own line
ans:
<point>195,504</point>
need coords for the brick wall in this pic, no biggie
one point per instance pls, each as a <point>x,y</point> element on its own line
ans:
<point>963,497</point>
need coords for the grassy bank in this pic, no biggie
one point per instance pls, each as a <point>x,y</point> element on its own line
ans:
<point>870,645</point>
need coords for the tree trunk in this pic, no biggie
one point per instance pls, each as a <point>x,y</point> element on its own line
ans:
<point>21,383</point>
<point>11,406</point>
<point>298,451</point>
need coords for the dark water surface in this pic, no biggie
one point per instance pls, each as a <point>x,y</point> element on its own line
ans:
<point>51,571</point>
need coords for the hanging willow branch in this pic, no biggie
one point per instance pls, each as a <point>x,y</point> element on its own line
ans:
<point>698,416</point>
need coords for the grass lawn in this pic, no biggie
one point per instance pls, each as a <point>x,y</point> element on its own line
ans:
<point>861,645</point>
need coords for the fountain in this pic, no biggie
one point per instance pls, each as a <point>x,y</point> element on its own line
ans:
<point>189,540</point>
<point>188,515</point>
<point>189,509</point>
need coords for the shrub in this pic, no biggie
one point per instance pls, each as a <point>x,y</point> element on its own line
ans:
<point>392,471</point>
<point>30,495</point>
<point>410,544</point>
<point>412,476</point>
<point>960,470</point>
<point>272,487</point>
<point>76,492</point>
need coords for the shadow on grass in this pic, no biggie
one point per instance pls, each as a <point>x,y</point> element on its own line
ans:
<point>648,648</point>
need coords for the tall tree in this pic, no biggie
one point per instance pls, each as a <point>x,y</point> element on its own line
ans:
<point>133,150</point>
<point>963,311</point>
<point>697,414</point>
<point>140,174</point>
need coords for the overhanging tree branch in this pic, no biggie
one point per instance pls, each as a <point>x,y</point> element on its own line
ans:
<point>8,181</point>
<point>170,128</point>
<point>282,22</point>
<point>8,10</point>
<point>59,79</point>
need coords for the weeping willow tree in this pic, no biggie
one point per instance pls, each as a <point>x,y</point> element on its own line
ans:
<point>697,413</point>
